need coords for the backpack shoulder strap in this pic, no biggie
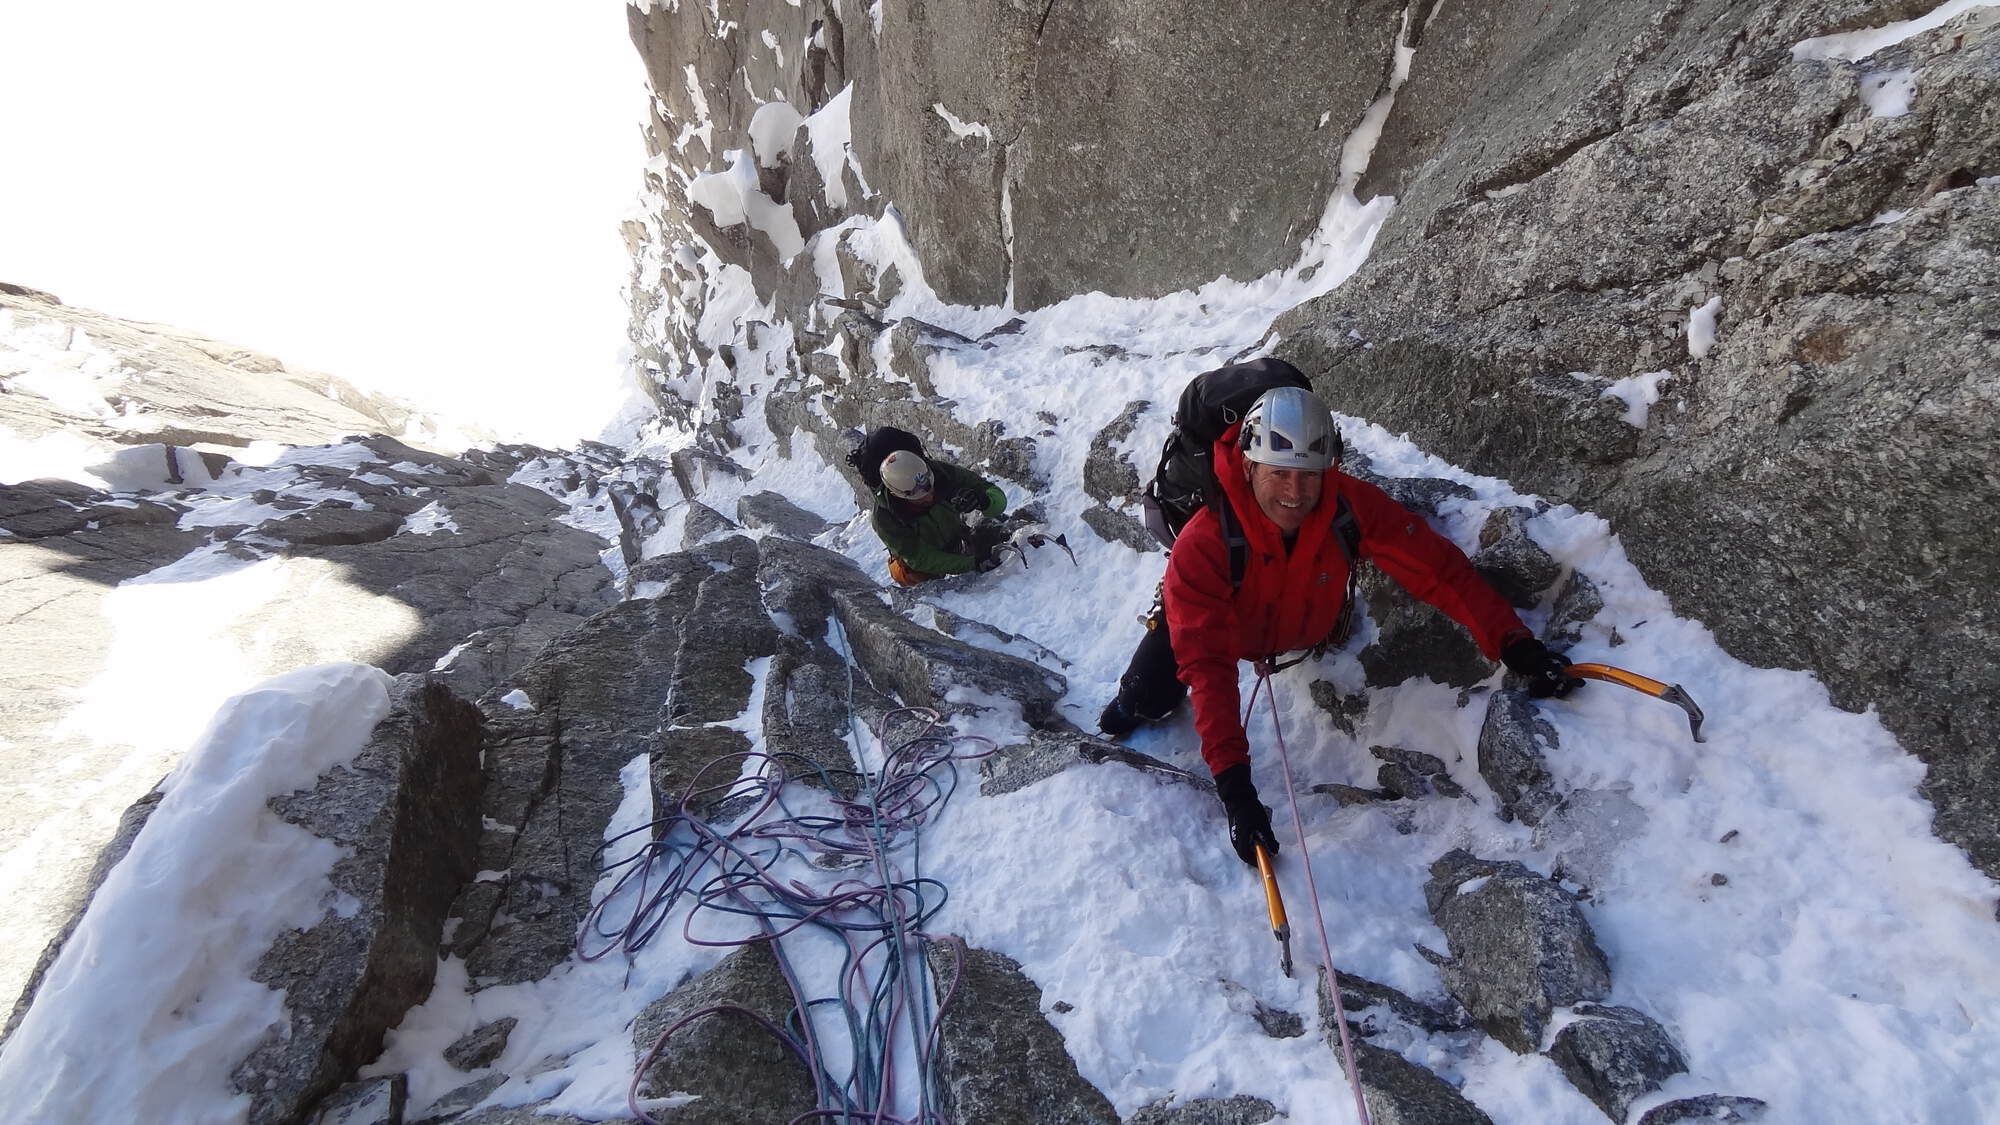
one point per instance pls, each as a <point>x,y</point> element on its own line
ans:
<point>1234,541</point>
<point>1347,530</point>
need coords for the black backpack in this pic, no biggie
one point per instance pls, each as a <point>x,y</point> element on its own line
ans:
<point>1185,481</point>
<point>881,441</point>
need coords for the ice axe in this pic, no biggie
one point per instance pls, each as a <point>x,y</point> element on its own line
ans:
<point>1034,535</point>
<point>1281,927</point>
<point>1671,693</point>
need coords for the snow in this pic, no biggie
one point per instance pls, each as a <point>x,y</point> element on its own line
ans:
<point>1700,331</point>
<point>962,129</point>
<point>428,520</point>
<point>1853,46</point>
<point>151,1005</point>
<point>1888,92</point>
<point>733,197</point>
<point>831,136</point>
<point>1640,392</point>
<point>771,130</point>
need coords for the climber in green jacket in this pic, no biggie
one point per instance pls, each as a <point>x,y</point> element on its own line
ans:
<point>936,518</point>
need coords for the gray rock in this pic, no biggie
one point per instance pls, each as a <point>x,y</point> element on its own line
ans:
<point>372,1101</point>
<point>1107,475</point>
<point>1422,495</point>
<point>1413,773</point>
<point>1370,1004</point>
<point>740,1073</point>
<point>1615,1055</point>
<point>925,668</point>
<point>722,631</point>
<point>1511,758</point>
<point>1239,1110</point>
<point>405,812</point>
<point>479,1047</point>
<point>1396,1089</point>
<point>1577,605</point>
<point>452,1104</point>
<point>1048,753</point>
<point>1114,526</point>
<point>1512,562</point>
<point>1552,217</point>
<point>1343,711</point>
<point>695,470</point>
<point>768,509</point>
<point>702,523</point>
<point>1413,639</point>
<point>493,656</point>
<point>181,389</point>
<point>1521,946</point>
<point>998,1058</point>
<point>552,783</point>
<point>799,582</point>
<point>1708,1109</point>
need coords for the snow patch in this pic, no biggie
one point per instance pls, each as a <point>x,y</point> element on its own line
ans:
<point>963,128</point>
<point>1638,393</point>
<point>1853,46</point>
<point>1701,327</point>
<point>1888,92</point>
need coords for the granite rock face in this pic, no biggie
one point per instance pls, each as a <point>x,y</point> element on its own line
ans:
<point>739,1072</point>
<point>998,1057</point>
<point>1799,484</point>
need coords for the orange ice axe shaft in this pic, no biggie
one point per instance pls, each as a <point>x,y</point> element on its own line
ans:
<point>1672,693</point>
<point>1281,927</point>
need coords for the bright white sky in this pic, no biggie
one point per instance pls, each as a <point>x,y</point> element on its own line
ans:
<point>416,196</point>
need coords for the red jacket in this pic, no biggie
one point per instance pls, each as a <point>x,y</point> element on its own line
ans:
<point>1291,601</point>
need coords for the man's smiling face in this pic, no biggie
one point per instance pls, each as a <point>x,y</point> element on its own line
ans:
<point>1286,496</point>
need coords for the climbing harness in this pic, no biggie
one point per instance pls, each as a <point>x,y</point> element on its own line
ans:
<point>1645,685</point>
<point>1264,670</point>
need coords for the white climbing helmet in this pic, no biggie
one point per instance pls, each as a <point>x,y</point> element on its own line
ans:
<point>906,475</point>
<point>1289,428</point>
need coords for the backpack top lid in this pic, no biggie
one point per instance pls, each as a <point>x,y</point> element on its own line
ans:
<point>867,457</point>
<point>1216,400</point>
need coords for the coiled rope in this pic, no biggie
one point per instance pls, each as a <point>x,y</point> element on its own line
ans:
<point>1264,670</point>
<point>881,992</point>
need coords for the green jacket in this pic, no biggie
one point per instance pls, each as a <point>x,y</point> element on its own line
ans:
<point>934,540</point>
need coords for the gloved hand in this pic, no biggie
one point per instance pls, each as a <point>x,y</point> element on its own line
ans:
<point>967,499</point>
<point>989,559</point>
<point>1547,672</point>
<point>1249,820</point>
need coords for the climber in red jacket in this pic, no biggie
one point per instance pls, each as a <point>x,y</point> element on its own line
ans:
<point>1279,476</point>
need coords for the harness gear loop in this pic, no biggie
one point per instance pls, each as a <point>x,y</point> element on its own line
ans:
<point>1264,669</point>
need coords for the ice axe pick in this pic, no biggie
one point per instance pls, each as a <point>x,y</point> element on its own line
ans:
<point>1671,693</point>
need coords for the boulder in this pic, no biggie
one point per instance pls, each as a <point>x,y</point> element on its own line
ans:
<point>1520,943</point>
<point>1413,639</point>
<point>1512,742</point>
<point>480,1046</point>
<point>770,510</point>
<point>703,523</point>
<point>406,813</point>
<point>738,1071</point>
<point>1114,526</point>
<point>1107,475</point>
<point>1048,753</point>
<point>1239,1110</point>
<point>926,668</point>
<point>1412,773</point>
<point>1511,561</point>
<point>998,1058</point>
<point>1708,1109</point>
<point>372,1101</point>
<point>1396,1089</point>
<point>1615,1055</point>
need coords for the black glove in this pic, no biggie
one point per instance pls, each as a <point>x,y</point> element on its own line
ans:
<point>989,559</point>
<point>1547,673</point>
<point>1249,820</point>
<point>967,499</point>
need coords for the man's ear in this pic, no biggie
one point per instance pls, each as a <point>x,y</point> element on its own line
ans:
<point>1247,462</point>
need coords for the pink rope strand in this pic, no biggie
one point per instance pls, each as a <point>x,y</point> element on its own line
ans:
<point>1312,886</point>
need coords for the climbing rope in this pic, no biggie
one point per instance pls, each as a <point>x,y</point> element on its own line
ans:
<point>880,991</point>
<point>1264,670</point>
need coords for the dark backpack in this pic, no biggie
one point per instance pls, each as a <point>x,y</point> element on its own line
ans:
<point>1185,481</point>
<point>881,441</point>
